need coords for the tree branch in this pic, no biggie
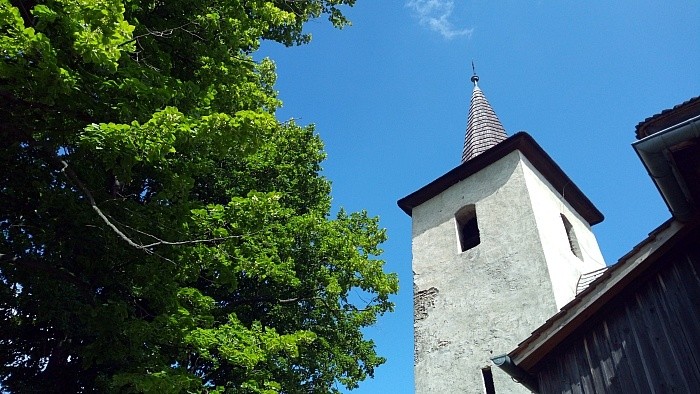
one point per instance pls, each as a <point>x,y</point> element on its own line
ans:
<point>36,265</point>
<point>174,243</point>
<point>164,33</point>
<point>271,300</point>
<point>73,177</point>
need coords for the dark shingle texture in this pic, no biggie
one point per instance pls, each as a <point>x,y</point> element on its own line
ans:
<point>668,117</point>
<point>484,130</point>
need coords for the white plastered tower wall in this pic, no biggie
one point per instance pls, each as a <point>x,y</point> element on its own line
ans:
<point>472,305</point>
<point>499,244</point>
<point>564,266</point>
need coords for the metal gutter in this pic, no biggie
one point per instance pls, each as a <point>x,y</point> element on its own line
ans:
<point>518,374</point>
<point>655,153</point>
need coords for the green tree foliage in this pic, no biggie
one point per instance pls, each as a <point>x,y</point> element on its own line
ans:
<point>161,230</point>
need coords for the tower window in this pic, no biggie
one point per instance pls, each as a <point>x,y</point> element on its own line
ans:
<point>467,228</point>
<point>489,387</point>
<point>573,242</point>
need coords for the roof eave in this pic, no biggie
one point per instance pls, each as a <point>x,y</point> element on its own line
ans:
<point>573,315</point>
<point>668,118</point>
<point>524,143</point>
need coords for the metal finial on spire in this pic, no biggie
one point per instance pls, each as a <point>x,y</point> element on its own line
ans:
<point>475,78</point>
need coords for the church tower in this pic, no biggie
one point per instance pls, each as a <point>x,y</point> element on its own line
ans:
<point>499,243</point>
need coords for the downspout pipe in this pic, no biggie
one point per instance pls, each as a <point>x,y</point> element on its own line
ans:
<point>505,363</point>
<point>654,151</point>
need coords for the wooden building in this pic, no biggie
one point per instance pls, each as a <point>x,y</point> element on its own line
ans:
<point>636,327</point>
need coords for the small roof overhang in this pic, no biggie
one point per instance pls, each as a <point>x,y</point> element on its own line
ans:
<point>669,147</point>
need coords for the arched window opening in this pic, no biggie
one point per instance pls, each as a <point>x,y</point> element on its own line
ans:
<point>573,242</point>
<point>467,228</point>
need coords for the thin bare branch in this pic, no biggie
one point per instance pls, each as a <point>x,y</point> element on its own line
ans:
<point>163,242</point>
<point>73,177</point>
<point>163,33</point>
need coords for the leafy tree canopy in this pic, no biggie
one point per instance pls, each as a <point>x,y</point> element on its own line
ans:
<point>162,231</point>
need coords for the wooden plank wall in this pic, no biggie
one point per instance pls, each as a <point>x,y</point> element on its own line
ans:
<point>648,340</point>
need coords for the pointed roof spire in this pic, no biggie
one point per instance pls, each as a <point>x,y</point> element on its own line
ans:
<point>484,130</point>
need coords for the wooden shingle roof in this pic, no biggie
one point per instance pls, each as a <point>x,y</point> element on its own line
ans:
<point>668,117</point>
<point>484,130</point>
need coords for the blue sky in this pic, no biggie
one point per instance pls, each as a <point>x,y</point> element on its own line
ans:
<point>390,94</point>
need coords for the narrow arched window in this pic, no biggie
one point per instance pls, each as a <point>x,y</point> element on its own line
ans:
<point>487,376</point>
<point>573,242</point>
<point>467,228</point>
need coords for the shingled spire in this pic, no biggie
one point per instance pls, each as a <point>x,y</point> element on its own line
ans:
<point>484,130</point>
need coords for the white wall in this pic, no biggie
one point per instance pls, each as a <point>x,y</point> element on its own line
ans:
<point>479,303</point>
<point>564,267</point>
<point>474,305</point>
